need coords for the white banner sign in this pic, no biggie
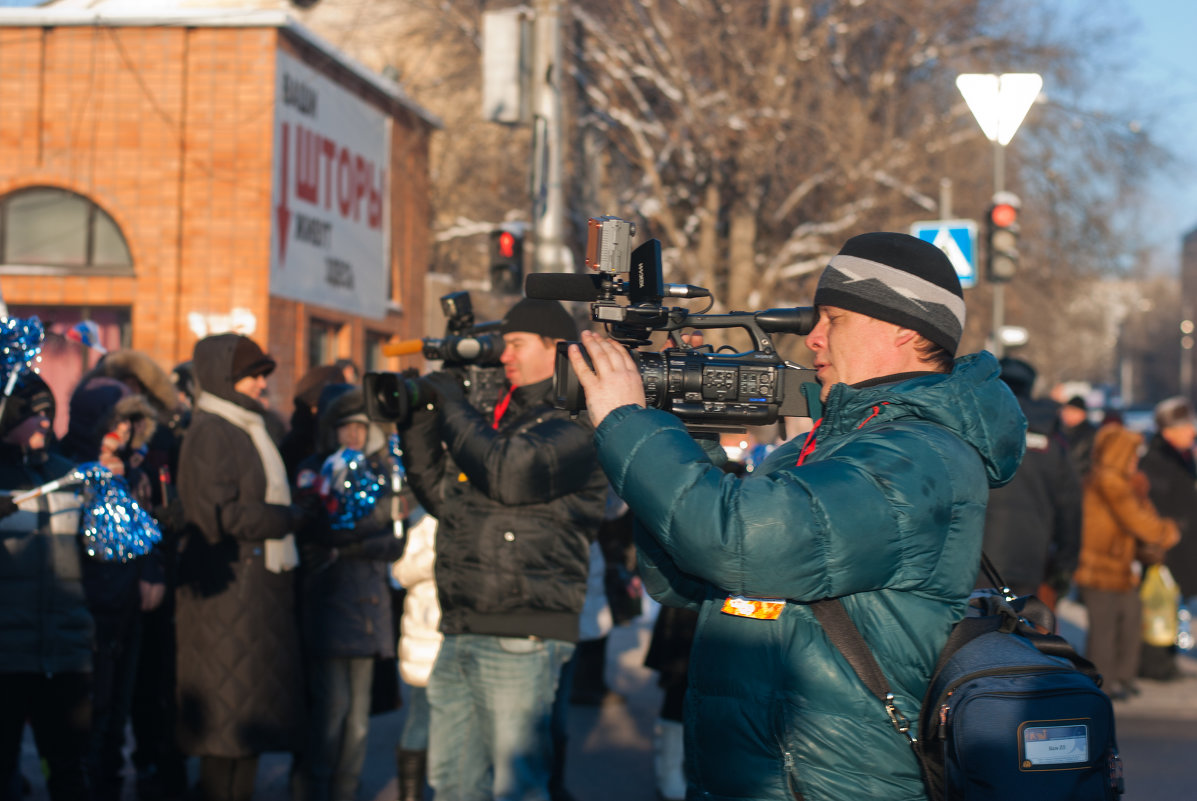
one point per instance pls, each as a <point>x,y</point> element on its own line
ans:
<point>330,201</point>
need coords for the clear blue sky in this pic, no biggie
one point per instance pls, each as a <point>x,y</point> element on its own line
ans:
<point>1167,41</point>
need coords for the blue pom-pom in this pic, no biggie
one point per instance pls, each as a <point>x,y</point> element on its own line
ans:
<point>20,345</point>
<point>351,488</point>
<point>114,526</point>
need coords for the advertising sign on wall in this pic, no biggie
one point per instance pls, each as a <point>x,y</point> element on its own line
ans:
<point>330,200</point>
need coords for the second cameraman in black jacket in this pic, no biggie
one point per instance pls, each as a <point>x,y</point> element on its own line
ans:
<point>519,495</point>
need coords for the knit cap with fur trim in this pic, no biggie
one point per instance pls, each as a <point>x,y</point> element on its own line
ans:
<point>900,279</point>
<point>546,318</point>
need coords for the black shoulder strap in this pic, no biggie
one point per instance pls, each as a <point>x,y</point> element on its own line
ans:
<point>851,643</point>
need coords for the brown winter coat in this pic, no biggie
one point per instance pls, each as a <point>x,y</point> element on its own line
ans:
<point>1117,514</point>
<point>240,685</point>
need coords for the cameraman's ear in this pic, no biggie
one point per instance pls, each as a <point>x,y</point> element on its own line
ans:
<point>903,336</point>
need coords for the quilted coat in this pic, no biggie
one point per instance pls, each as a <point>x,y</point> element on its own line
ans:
<point>1117,514</point>
<point>885,512</point>
<point>239,674</point>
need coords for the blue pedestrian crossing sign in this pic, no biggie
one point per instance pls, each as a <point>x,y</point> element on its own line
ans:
<point>957,239</point>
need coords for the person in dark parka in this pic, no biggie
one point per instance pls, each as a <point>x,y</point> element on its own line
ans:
<point>239,674</point>
<point>46,629</point>
<point>519,497</point>
<point>1169,466</point>
<point>1078,433</point>
<point>111,424</point>
<point>345,591</point>
<point>1033,524</point>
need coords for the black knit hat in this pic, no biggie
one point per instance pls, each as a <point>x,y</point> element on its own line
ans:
<point>900,279</point>
<point>30,396</point>
<point>546,318</point>
<point>1018,375</point>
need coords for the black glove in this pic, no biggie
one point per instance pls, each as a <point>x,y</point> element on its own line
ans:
<point>443,387</point>
<point>7,507</point>
<point>306,509</point>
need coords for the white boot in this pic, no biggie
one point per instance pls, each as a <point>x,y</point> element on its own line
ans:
<point>668,754</point>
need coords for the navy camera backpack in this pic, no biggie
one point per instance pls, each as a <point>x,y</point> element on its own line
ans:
<point>1010,712</point>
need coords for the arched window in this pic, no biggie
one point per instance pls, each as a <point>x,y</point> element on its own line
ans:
<point>46,229</point>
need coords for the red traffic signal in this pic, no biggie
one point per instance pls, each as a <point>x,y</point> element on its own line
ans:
<point>506,260</point>
<point>1002,240</point>
<point>506,245</point>
<point>1003,215</point>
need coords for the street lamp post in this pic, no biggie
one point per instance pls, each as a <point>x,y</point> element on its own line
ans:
<point>999,103</point>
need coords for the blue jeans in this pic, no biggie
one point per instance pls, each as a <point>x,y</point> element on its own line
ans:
<point>492,700</point>
<point>414,736</point>
<point>340,693</point>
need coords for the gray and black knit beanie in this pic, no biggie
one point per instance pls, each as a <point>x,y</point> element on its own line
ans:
<point>900,279</point>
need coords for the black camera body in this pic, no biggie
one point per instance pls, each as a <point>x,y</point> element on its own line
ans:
<point>708,390</point>
<point>465,343</point>
<point>470,349</point>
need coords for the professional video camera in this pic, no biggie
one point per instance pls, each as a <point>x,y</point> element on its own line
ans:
<point>708,390</point>
<point>468,348</point>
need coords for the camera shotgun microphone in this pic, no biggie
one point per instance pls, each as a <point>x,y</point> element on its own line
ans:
<point>404,347</point>
<point>586,288</point>
<point>562,286</point>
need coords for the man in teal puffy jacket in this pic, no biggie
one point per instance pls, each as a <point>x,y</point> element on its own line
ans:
<point>882,505</point>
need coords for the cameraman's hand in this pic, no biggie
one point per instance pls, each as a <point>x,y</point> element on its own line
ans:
<point>614,381</point>
<point>444,386</point>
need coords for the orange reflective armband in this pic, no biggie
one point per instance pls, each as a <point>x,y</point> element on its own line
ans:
<point>755,608</point>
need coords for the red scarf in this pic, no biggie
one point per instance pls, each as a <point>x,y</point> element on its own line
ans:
<point>501,407</point>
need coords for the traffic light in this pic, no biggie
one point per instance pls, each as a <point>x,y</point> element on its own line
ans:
<point>507,261</point>
<point>1002,239</point>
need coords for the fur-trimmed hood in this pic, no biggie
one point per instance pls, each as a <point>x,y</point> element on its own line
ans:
<point>124,365</point>
<point>97,406</point>
<point>1115,448</point>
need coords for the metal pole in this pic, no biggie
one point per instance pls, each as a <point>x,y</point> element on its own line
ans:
<point>548,201</point>
<point>999,287</point>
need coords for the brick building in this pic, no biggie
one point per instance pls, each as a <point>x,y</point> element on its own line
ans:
<point>175,174</point>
